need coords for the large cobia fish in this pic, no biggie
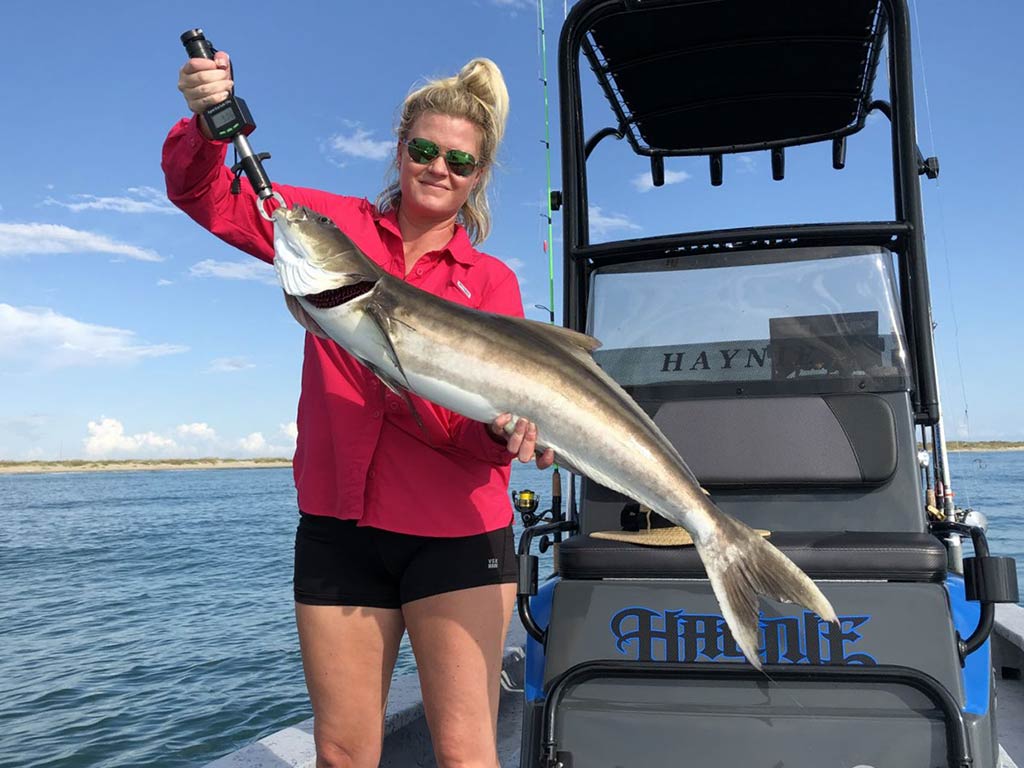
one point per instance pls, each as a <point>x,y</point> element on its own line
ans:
<point>481,365</point>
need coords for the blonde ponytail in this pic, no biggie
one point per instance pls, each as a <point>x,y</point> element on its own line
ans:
<point>478,94</point>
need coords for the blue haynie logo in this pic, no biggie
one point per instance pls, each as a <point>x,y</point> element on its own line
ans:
<point>649,635</point>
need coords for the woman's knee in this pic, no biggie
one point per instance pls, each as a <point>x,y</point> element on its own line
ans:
<point>464,753</point>
<point>331,753</point>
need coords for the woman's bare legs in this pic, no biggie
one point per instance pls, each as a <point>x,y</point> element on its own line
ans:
<point>458,638</point>
<point>348,655</point>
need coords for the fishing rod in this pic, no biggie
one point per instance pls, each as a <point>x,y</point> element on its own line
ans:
<point>944,496</point>
<point>232,121</point>
<point>556,478</point>
<point>549,242</point>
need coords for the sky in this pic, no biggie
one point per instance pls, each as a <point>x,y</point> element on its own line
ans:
<point>127,331</point>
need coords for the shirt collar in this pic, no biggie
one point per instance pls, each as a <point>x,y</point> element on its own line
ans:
<point>459,247</point>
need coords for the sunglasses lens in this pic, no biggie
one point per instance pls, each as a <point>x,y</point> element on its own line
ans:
<point>422,151</point>
<point>460,163</point>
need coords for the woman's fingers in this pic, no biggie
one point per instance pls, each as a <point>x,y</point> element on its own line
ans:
<point>528,444</point>
<point>522,441</point>
<point>205,83</point>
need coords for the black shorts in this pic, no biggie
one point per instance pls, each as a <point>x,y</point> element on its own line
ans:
<point>340,563</point>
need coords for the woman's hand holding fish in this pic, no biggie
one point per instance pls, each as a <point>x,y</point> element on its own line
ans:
<point>522,441</point>
<point>205,83</point>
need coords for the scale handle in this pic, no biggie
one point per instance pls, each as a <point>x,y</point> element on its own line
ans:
<point>196,44</point>
<point>198,47</point>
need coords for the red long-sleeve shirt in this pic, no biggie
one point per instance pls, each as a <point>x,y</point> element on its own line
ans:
<point>360,454</point>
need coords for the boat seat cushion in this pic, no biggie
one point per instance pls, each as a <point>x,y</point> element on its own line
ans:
<point>831,440</point>
<point>822,555</point>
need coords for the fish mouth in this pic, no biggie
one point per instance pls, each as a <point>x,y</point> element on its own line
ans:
<point>335,297</point>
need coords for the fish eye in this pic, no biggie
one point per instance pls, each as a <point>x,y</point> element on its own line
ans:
<point>324,220</point>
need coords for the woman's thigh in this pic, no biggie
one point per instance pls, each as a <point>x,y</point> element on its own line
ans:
<point>348,656</point>
<point>458,638</point>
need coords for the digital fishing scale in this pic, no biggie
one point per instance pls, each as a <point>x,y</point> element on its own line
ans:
<point>231,121</point>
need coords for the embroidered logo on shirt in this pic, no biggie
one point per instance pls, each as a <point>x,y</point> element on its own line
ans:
<point>492,562</point>
<point>469,295</point>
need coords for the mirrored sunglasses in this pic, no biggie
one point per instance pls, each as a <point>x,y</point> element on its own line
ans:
<point>424,151</point>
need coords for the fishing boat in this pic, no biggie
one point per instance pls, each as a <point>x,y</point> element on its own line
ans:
<point>793,367</point>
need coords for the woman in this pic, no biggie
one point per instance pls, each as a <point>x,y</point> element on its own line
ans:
<point>402,526</point>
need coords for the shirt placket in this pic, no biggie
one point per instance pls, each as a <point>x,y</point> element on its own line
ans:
<point>418,274</point>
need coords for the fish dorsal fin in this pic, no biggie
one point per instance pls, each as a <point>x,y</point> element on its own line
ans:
<point>562,336</point>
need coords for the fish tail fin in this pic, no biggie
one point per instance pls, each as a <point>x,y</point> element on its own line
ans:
<point>742,565</point>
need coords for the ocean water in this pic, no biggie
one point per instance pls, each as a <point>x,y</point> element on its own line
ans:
<point>146,617</point>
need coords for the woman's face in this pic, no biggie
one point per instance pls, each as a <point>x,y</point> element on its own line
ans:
<point>432,191</point>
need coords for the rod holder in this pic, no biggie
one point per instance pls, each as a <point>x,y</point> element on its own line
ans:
<point>716,169</point>
<point>658,170</point>
<point>839,153</point>
<point>778,163</point>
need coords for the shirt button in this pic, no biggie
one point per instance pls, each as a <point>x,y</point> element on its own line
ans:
<point>393,405</point>
<point>419,270</point>
<point>376,414</point>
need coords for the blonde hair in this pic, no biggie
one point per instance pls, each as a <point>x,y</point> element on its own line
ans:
<point>478,94</point>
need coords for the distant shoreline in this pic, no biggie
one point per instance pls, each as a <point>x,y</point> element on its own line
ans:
<point>135,465</point>
<point>994,446</point>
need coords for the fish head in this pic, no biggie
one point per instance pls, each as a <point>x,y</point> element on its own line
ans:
<point>313,256</point>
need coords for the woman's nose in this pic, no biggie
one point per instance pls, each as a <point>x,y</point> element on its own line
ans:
<point>438,166</point>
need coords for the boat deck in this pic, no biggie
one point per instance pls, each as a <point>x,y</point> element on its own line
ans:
<point>407,741</point>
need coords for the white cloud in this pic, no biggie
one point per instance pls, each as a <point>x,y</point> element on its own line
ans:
<point>197,430</point>
<point>253,443</point>
<point>291,429</point>
<point>40,337</point>
<point>107,439</point>
<point>601,223</point>
<point>359,144</point>
<point>138,200</point>
<point>253,269</point>
<point>25,239</point>
<point>256,445</point>
<point>162,282</point>
<point>643,182</point>
<point>229,364</point>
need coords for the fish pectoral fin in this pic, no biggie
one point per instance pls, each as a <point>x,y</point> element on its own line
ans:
<point>397,388</point>
<point>383,322</point>
<point>304,318</point>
